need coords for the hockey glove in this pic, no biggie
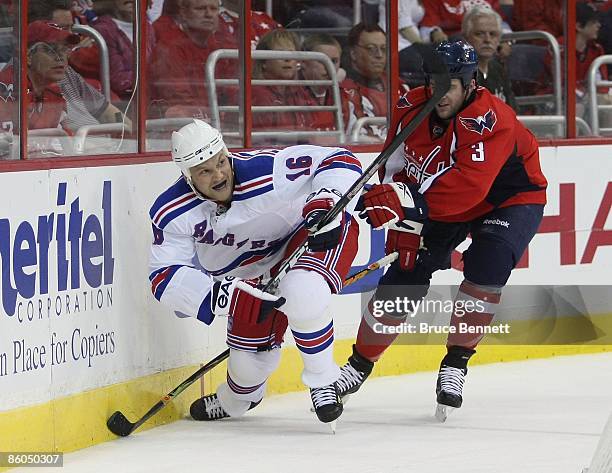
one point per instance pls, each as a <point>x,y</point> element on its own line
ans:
<point>234,296</point>
<point>317,205</point>
<point>387,204</point>
<point>405,238</point>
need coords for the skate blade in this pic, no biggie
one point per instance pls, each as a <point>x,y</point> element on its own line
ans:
<point>442,412</point>
<point>332,425</point>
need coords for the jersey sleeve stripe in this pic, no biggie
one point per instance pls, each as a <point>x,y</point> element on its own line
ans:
<point>161,278</point>
<point>254,192</point>
<point>173,204</point>
<point>205,313</point>
<point>178,211</point>
<point>239,188</point>
<point>340,161</point>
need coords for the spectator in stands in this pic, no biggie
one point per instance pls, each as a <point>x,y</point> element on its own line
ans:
<point>115,22</point>
<point>261,22</point>
<point>482,29</point>
<point>366,86</point>
<point>86,58</point>
<point>587,50</point>
<point>442,20</point>
<point>410,14</point>
<point>168,23</point>
<point>178,75</point>
<point>58,96</point>
<point>316,70</point>
<point>279,95</point>
<point>542,15</point>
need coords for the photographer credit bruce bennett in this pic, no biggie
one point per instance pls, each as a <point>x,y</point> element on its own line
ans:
<point>458,307</point>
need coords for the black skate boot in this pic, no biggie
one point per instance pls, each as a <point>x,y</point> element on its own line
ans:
<point>209,408</point>
<point>353,374</point>
<point>326,402</point>
<point>451,376</point>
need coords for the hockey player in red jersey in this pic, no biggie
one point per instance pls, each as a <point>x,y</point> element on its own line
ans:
<point>473,168</point>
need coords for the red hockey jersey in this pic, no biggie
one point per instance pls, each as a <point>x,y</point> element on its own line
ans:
<point>484,159</point>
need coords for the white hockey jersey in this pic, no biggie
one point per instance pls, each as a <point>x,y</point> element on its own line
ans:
<point>194,241</point>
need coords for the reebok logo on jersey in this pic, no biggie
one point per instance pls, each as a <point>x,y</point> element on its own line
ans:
<point>481,123</point>
<point>496,221</point>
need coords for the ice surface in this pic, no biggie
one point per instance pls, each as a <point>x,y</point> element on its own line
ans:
<point>540,416</point>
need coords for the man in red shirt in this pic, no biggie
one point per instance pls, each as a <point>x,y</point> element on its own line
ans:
<point>473,168</point>
<point>365,87</point>
<point>177,73</point>
<point>442,20</point>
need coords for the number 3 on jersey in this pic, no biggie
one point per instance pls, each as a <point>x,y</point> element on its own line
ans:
<point>303,162</point>
<point>478,154</point>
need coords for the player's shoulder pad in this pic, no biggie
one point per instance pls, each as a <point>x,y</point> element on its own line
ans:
<point>484,116</point>
<point>412,98</point>
<point>172,203</point>
<point>253,171</point>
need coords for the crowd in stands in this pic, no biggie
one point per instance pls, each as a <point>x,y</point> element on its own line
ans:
<point>65,85</point>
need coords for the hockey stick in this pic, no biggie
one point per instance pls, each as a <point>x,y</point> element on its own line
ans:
<point>119,424</point>
<point>441,80</point>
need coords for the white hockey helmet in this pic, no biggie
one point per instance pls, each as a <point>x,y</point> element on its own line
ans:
<point>194,144</point>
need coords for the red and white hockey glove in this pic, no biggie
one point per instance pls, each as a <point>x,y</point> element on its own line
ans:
<point>386,204</point>
<point>317,205</point>
<point>234,296</point>
<point>406,240</point>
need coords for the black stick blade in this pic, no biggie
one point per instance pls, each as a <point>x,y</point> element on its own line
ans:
<point>119,425</point>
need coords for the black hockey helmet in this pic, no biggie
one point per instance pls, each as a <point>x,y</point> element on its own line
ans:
<point>460,59</point>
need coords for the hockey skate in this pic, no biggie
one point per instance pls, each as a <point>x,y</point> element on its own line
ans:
<point>353,374</point>
<point>209,408</point>
<point>451,377</point>
<point>327,404</point>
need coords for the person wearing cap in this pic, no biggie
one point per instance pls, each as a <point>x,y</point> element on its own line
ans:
<point>48,50</point>
<point>59,96</point>
<point>227,224</point>
<point>470,167</point>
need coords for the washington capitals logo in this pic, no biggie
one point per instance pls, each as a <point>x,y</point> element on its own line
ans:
<point>481,123</point>
<point>403,102</point>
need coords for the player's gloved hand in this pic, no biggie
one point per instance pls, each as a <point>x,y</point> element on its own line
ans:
<point>405,238</point>
<point>238,297</point>
<point>387,204</point>
<point>317,205</point>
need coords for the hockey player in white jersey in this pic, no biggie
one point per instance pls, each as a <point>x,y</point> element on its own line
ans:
<point>225,226</point>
